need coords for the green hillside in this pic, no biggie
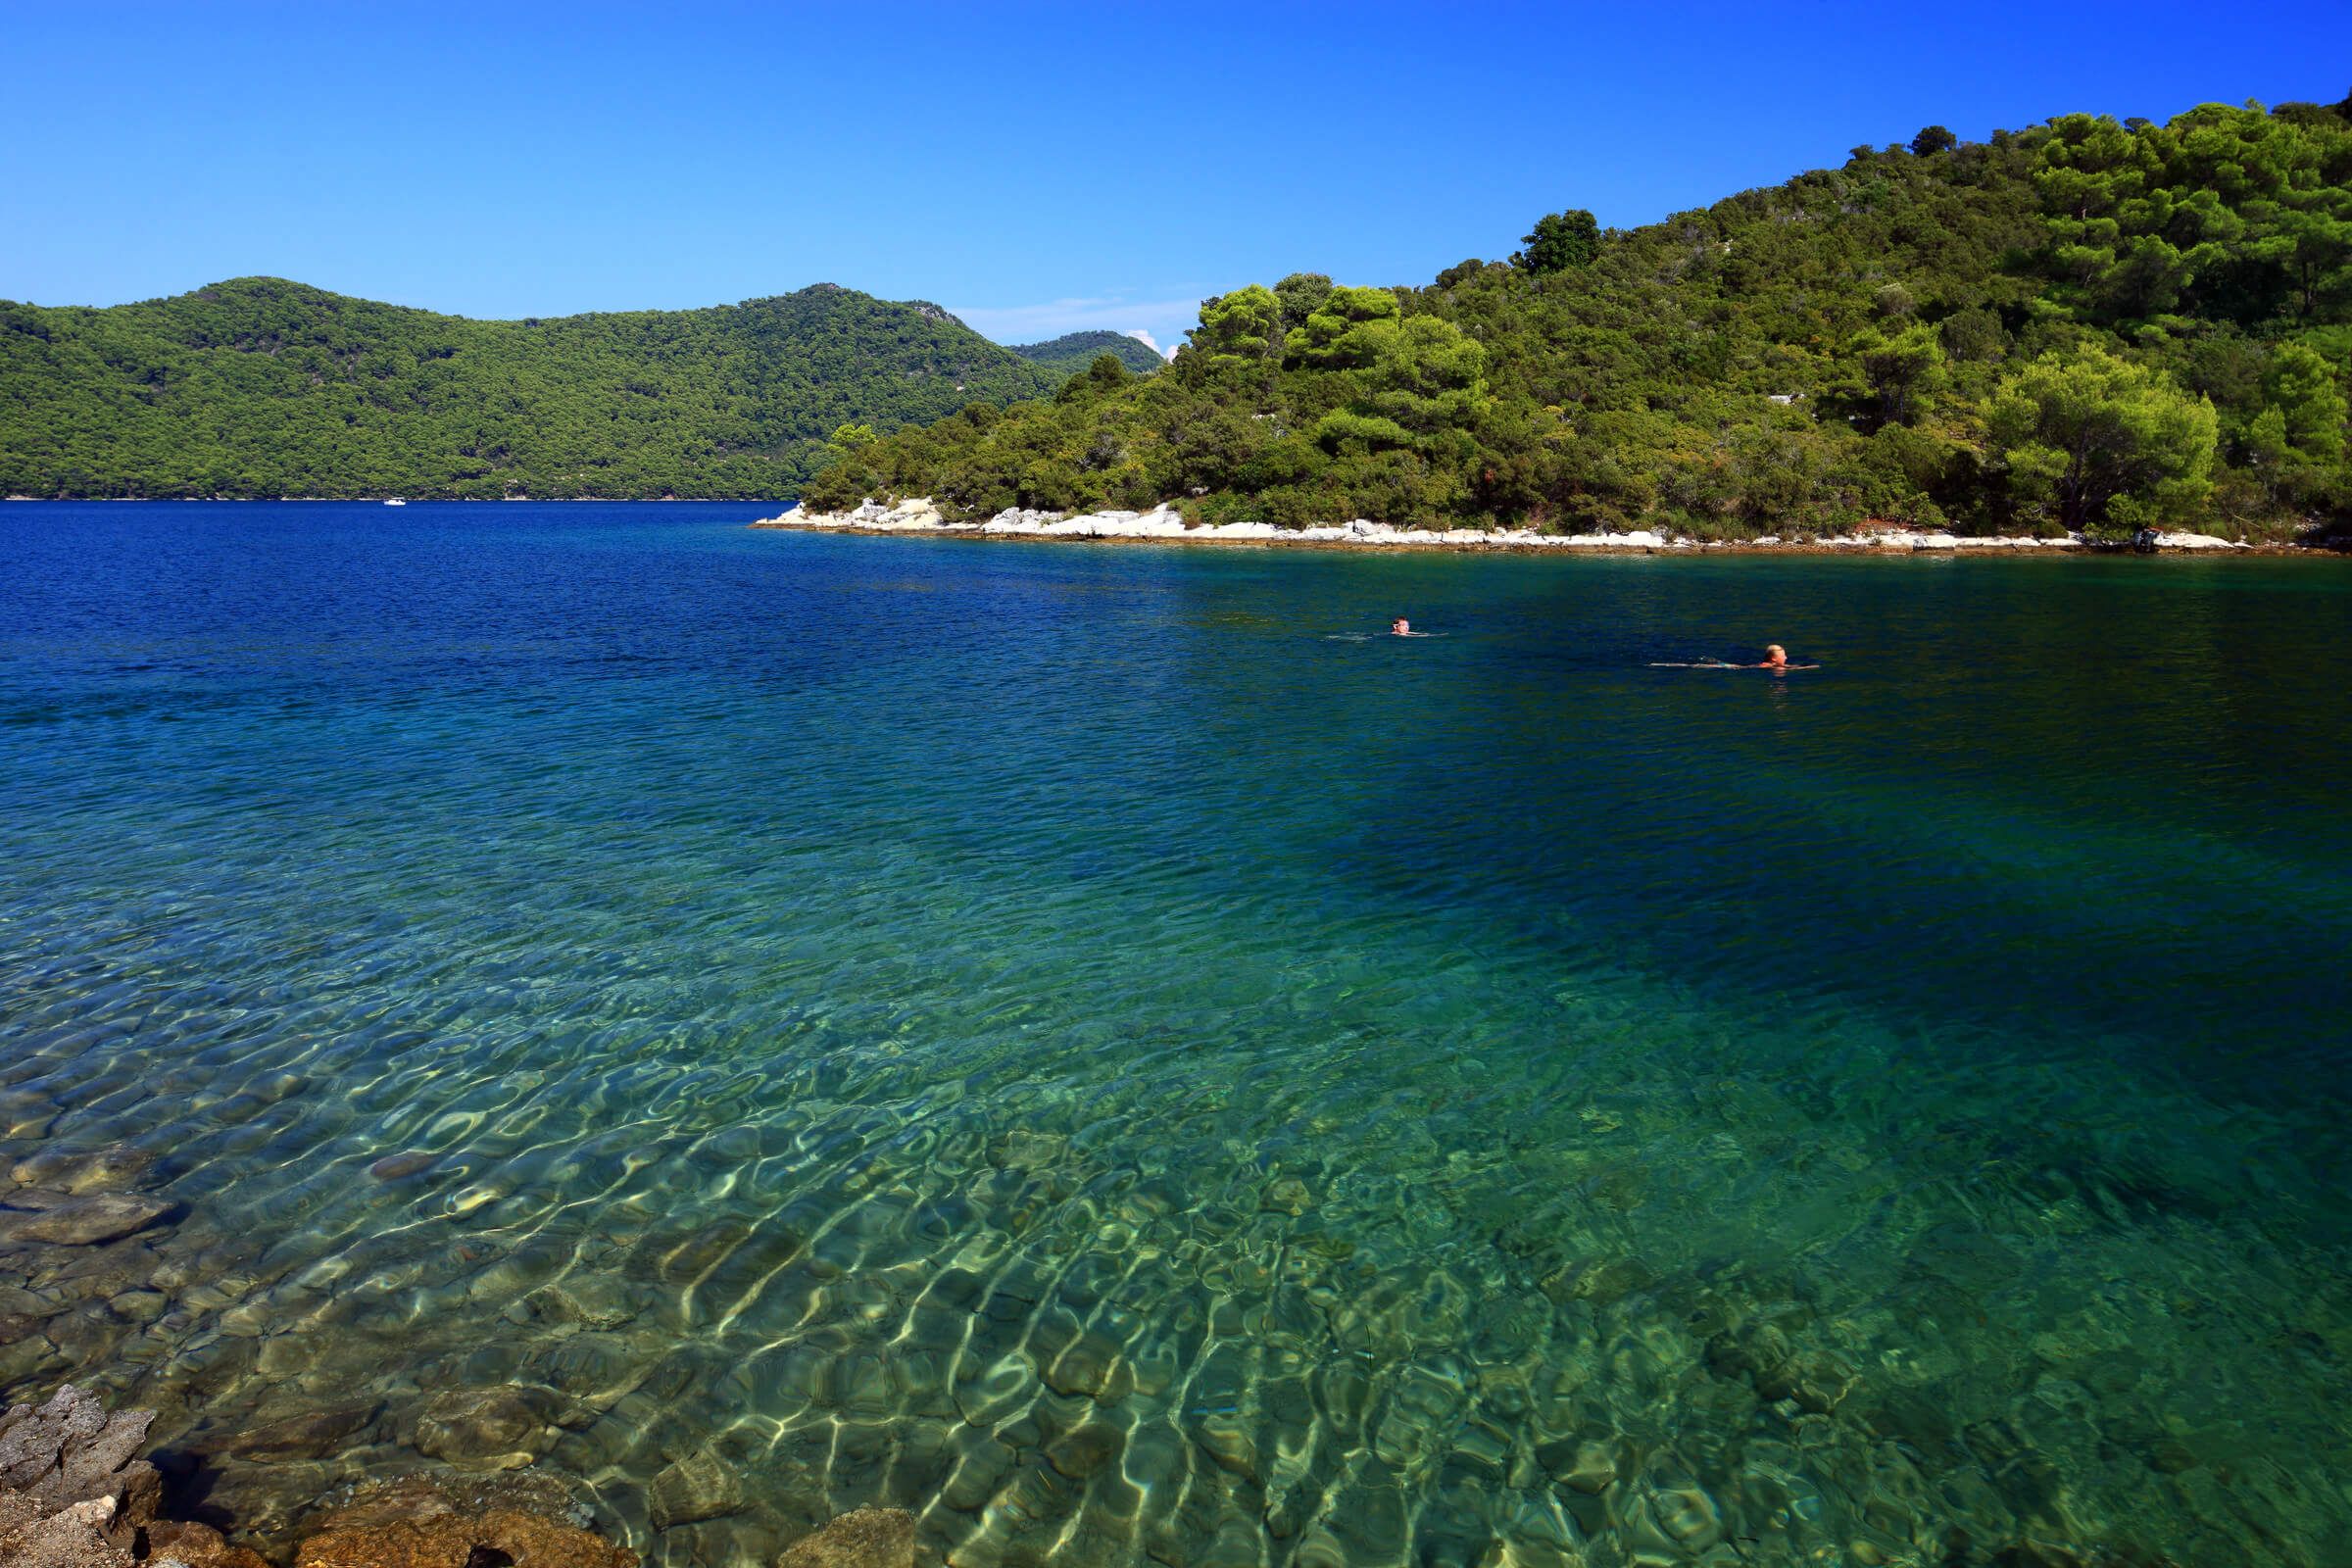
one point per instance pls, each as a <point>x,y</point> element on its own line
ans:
<point>263,387</point>
<point>1073,352</point>
<point>2083,325</point>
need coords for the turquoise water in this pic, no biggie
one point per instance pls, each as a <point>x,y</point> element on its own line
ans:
<point>1070,1039</point>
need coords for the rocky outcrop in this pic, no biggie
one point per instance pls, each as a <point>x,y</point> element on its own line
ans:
<point>924,515</point>
<point>873,517</point>
<point>73,1488</point>
<point>74,1495</point>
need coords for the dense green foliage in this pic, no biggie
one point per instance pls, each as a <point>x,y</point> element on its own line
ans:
<point>262,388</point>
<point>1560,240</point>
<point>1073,352</point>
<point>2084,325</point>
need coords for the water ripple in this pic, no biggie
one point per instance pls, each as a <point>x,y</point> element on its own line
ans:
<point>1049,1040</point>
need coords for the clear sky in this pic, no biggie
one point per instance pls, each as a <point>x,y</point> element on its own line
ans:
<point>1035,167</point>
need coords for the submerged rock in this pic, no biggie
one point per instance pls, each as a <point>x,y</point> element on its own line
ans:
<point>419,1522</point>
<point>312,1434</point>
<point>1287,1196</point>
<point>31,1214</point>
<point>700,1485</point>
<point>865,1537</point>
<point>89,1171</point>
<point>502,1427</point>
<point>1091,1365</point>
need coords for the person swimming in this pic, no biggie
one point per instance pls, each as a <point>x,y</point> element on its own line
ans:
<point>1776,659</point>
<point>1402,627</point>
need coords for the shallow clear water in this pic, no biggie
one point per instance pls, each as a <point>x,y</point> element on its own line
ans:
<point>1064,1039</point>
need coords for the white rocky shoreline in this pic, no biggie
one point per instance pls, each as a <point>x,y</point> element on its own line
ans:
<point>1165,524</point>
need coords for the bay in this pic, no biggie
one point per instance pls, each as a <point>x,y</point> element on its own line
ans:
<point>1093,1044</point>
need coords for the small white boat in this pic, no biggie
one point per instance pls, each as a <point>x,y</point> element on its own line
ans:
<point>395,501</point>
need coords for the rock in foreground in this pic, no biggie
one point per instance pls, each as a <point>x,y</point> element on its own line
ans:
<point>73,1489</point>
<point>73,1494</point>
<point>865,1537</point>
<point>418,1523</point>
<point>70,1452</point>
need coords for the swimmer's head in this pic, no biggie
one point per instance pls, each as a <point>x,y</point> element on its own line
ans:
<point>1400,625</point>
<point>1775,651</point>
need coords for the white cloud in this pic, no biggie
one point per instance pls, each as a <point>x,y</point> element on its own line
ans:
<point>1154,321</point>
<point>1152,343</point>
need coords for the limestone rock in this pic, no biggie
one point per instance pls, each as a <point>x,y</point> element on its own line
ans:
<point>198,1546</point>
<point>74,1536</point>
<point>72,1470</point>
<point>70,1448</point>
<point>351,1538</point>
<point>865,1538</point>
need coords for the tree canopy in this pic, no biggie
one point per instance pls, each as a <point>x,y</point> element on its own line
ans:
<point>1073,352</point>
<point>1560,240</point>
<point>263,387</point>
<point>2085,323</point>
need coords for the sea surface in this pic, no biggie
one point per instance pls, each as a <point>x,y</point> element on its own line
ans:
<point>1087,1044</point>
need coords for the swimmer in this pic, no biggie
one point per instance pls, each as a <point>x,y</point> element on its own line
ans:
<point>1402,627</point>
<point>1776,659</point>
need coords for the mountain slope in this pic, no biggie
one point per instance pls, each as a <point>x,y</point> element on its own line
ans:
<point>1073,352</point>
<point>2088,324</point>
<point>264,387</point>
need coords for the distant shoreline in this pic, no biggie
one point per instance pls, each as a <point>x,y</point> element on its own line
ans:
<point>1164,526</point>
<point>363,501</point>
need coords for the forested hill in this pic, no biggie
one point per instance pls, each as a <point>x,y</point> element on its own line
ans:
<point>2084,325</point>
<point>264,387</point>
<point>1073,352</point>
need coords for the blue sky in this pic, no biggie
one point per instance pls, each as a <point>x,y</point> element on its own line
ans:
<point>1035,167</point>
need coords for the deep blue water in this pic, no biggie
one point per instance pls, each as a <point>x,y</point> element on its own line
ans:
<point>1082,1042</point>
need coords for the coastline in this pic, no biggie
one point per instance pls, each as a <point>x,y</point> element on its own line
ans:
<point>1163,524</point>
